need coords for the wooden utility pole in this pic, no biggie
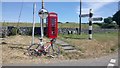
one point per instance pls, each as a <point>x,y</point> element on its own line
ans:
<point>17,26</point>
<point>80,18</point>
<point>118,5</point>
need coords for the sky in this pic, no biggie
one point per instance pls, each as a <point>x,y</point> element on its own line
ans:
<point>67,11</point>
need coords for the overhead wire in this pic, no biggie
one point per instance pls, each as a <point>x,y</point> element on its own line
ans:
<point>19,17</point>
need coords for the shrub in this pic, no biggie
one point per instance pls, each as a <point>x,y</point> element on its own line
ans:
<point>104,25</point>
<point>29,31</point>
<point>14,31</point>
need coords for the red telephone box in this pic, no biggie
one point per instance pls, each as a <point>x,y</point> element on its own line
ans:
<point>52,25</point>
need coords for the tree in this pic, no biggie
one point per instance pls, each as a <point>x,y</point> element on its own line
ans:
<point>60,22</point>
<point>67,22</point>
<point>108,20</point>
<point>108,23</point>
<point>116,17</point>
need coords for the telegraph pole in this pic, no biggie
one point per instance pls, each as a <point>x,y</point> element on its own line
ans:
<point>118,5</point>
<point>19,19</point>
<point>80,18</point>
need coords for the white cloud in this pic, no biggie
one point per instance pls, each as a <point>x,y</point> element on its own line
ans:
<point>95,6</point>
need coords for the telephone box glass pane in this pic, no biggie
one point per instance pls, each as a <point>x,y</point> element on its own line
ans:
<point>53,20</point>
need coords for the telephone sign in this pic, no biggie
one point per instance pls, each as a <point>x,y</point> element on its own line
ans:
<point>52,25</point>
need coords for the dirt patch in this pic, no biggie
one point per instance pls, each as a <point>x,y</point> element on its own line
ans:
<point>15,47</point>
<point>1,51</point>
<point>13,51</point>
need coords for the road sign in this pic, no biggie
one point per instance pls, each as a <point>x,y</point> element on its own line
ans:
<point>97,19</point>
<point>43,13</point>
<point>84,15</point>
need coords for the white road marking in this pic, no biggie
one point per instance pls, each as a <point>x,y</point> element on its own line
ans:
<point>112,61</point>
<point>110,64</point>
<point>1,38</point>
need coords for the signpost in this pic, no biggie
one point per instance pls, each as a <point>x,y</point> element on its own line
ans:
<point>90,24</point>
<point>84,15</point>
<point>90,15</point>
<point>97,19</point>
<point>43,14</point>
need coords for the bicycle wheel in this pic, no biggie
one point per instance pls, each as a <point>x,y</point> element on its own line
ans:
<point>32,52</point>
<point>54,51</point>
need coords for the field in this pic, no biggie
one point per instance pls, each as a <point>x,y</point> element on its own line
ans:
<point>60,25</point>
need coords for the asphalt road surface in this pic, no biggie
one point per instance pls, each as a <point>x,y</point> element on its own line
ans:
<point>110,60</point>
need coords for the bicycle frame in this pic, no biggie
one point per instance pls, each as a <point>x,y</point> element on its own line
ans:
<point>43,48</point>
<point>49,45</point>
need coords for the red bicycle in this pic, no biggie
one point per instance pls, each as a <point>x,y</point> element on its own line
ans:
<point>50,49</point>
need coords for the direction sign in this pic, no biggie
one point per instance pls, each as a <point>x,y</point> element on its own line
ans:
<point>97,19</point>
<point>84,15</point>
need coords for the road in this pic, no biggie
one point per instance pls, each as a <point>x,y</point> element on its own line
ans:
<point>102,61</point>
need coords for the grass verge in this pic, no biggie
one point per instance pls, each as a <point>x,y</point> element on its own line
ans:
<point>101,44</point>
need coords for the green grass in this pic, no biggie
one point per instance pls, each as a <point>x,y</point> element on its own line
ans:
<point>73,36</point>
<point>106,36</point>
<point>98,36</point>
<point>76,25</point>
<point>63,25</point>
<point>102,44</point>
<point>23,24</point>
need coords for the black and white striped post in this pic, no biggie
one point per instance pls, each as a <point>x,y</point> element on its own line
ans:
<point>90,24</point>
